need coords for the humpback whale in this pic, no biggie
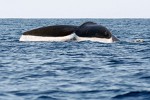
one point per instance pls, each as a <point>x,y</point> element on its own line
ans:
<point>87,31</point>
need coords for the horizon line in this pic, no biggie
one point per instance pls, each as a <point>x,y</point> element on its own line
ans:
<point>74,17</point>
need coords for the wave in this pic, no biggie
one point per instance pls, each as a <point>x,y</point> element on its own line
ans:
<point>46,98</point>
<point>138,95</point>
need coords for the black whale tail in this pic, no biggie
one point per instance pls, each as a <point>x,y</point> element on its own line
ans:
<point>87,31</point>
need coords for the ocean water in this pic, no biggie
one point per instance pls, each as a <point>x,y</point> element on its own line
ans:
<point>75,70</point>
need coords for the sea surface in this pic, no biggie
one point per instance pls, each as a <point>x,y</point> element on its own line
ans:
<point>75,70</point>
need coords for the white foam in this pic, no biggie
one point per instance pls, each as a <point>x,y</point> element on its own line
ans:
<point>73,36</point>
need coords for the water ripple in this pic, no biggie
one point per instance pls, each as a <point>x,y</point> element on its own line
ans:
<point>138,95</point>
<point>75,70</point>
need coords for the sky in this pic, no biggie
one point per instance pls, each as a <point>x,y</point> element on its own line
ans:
<point>74,8</point>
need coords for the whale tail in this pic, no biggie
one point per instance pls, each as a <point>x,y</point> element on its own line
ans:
<point>87,31</point>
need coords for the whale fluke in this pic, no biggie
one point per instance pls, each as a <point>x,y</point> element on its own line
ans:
<point>87,31</point>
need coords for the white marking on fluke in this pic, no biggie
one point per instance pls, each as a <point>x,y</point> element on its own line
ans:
<point>44,38</point>
<point>73,36</point>
<point>94,39</point>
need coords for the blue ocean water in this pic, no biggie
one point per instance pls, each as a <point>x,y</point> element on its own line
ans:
<point>75,70</point>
